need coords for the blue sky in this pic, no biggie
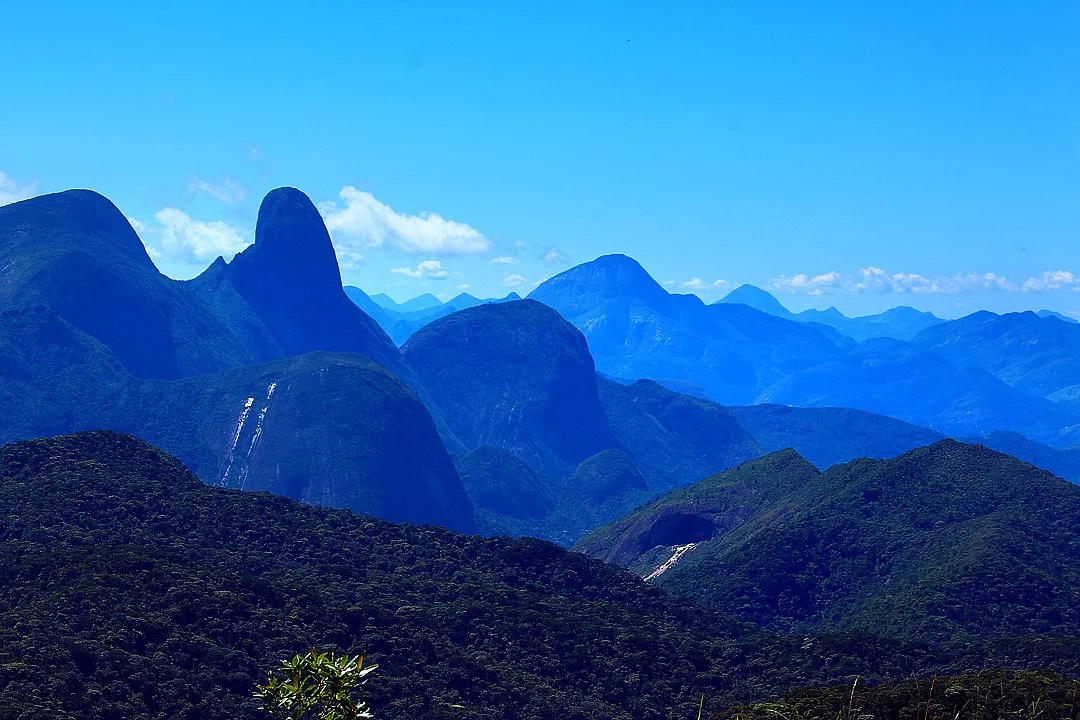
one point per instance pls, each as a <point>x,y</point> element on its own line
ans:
<point>862,155</point>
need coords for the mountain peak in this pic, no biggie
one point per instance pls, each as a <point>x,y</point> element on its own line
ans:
<point>68,220</point>
<point>292,244</point>
<point>606,277</point>
<point>758,299</point>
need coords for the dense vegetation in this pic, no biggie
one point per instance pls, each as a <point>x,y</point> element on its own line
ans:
<point>951,544</point>
<point>130,589</point>
<point>989,695</point>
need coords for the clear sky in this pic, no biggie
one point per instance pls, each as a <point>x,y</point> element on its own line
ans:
<point>857,154</point>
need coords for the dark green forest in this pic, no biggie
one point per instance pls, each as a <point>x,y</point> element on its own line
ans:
<point>131,589</point>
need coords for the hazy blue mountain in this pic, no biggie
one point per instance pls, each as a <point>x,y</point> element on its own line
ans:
<point>829,435</point>
<point>758,299</point>
<point>674,439</point>
<point>893,378</point>
<point>636,329</point>
<point>420,302</point>
<point>945,544</point>
<point>518,377</point>
<point>1040,355</point>
<point>501,484</point>
<point>76,253</point>
<point>1064,462</point>
<point>514,375</point>
<point>400,323</point>
<point>1059,316</point>
<point>900,323</point>
<point>375,311</point>
<point>328,429</point>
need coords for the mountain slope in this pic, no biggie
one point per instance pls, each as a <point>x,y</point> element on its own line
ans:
<point>75,252</point>
<point>635,329</point>
<point>514,375</point>
<point>332,429</point>
<point>289,280</point>
<point>900,323</point>
<point>130,589</point>
<point>1040,355</point>
<point>674,439</point>
<point>829,435</point>
<point>949,543</point>
<point>893,378</point>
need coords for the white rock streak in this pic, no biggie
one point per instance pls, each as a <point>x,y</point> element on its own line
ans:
<point>670,563</point>
<point>238,435</point>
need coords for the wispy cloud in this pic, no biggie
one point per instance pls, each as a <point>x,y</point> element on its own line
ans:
<point>504,260</point>
<point>348,260</point>
<point>226,190</point>
<point>875,280</point>
<point>697,283</point>
<point>514,280</point>
<point>178,236</point>
<point>554,255</point>
<point>427,270</point>
<point>11,191</point>
<point>362,221</point>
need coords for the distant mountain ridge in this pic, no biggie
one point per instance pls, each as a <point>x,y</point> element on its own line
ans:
<point>739,355</point>
<point>401,320</point>
<point>636,329</point>
<point>899,323</point>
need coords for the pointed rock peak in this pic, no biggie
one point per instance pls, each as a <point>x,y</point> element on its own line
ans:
<point>292,241</point>
<point>84,219</point>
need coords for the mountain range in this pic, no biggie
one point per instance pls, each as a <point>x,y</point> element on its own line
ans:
<point>400,321</point>
<point>825,540</point>
<point>949,543</point>
<point>264,373</point>
<point>972,376</point>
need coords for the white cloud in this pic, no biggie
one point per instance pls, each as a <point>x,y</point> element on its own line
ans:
<point>428,270</point>
<point>178,236</point>
<point>11,191</point>
<point>463,287</point>
<point>226,191</point>
<point>811,285</point>
<point>504,260</point>
<point>514,280</point>
<point>697,283</point>
<point>554,255</point>
<point>877,281</point>
<point>367,222</point>
<point>1052,280</point>
<point>348,260</point>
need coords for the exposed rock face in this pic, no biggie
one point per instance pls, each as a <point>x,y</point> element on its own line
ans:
<point>514,375</point>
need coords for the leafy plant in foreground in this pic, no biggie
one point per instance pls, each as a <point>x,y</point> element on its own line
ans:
<point>317,685</point>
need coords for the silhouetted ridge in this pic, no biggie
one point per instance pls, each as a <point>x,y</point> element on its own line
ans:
<point>51,220</point>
